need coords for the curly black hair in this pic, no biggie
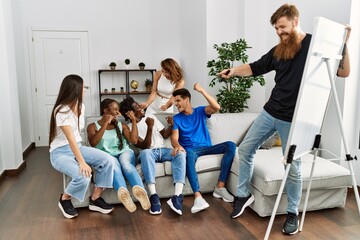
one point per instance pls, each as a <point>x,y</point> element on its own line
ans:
<point>125,106</point>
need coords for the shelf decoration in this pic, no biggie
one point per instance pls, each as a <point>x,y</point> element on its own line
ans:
<point>134,85</point>
<point>127,63</point>
<point>141,65</point>
<point>112,65</point>
<point>148,84</point>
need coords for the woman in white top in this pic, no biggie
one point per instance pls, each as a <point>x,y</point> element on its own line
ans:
<point>68,156</point>
<point>168,79</point>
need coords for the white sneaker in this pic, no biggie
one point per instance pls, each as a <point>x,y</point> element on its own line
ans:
<point>224,194</point>
<point>199,205</point>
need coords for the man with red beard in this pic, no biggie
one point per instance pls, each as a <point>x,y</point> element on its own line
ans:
<point>287,59</point>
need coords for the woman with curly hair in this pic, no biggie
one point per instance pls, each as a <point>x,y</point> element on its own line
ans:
<point>168,79</point>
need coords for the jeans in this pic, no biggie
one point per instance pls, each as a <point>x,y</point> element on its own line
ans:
<point>228,148</point>
<point>124,165</point>
<point>263,127</point>
<point>148,158</point>
<point>63,160</point>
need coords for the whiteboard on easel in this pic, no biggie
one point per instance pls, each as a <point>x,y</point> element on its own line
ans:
<point>327,42</point>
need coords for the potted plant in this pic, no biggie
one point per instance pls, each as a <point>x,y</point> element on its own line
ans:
<point>112,65</point>
<point>142,65</point>
<point>148,84</point>
<point>127,62</point>
<point>235,91</point>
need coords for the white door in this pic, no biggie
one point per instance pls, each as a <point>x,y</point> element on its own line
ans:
<point>56,55</point>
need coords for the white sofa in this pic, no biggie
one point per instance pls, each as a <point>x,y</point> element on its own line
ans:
<point>329,186</point>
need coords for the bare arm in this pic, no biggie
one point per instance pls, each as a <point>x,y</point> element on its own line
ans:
<point>95,136</point>
<point>213,106</point>
<point>175,143</point>
<point>146,143</point>
<point>133,135</point>
<point>242,70</point>
<point>152,95</point>
<point>344,65</point>
<point>85,169</point>
<point>170,102</point>
<point>167,132</point>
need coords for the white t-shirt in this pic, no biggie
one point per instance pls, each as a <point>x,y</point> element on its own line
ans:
<point>157,140</point>
<point>66,117</point>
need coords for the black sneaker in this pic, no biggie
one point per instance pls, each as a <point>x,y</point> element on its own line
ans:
<point>176,203</point>
<point>67,208</point>
<point>100,205</point>
<point>239,205</point>
<point>291,224</point>
<point>155,204</point>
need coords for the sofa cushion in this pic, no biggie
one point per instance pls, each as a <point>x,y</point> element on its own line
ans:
<point>269,171</point>
<point>230,126</point>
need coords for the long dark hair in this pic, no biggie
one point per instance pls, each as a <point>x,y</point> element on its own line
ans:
<point>70,94</point>
<point>104,105</point>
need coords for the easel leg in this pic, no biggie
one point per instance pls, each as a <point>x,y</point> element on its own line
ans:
<point>277,202</point>
<point>308,191</point>
<point>347,152</point>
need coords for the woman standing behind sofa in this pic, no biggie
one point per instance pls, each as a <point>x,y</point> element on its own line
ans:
<point>168,79</point>
<point>68,156</point>
<point>111,136</point>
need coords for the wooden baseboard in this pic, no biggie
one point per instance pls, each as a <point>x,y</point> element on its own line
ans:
<point>2,176</point>
<point>28,150</point>
<point>351,190</point>
<point>15,172</point>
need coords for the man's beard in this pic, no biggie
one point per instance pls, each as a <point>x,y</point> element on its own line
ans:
<point>288,48</point>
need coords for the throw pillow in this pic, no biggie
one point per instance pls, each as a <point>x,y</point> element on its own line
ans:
<point>268,144</point>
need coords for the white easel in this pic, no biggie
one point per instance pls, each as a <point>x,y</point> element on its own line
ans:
<point>292,148</point>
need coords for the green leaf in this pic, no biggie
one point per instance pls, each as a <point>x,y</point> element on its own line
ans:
<point>235,91</point>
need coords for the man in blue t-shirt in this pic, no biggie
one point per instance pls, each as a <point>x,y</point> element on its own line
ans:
<point>190,135</point>
<point>287,59</point>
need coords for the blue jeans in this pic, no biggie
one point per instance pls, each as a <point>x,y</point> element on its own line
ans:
<point>124,165</point>
<point>227,148</point>
<point>63,160</point>
<point>148,158</point>
<point>263,127</point>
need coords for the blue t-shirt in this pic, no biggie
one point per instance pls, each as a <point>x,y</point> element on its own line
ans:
<point>192,128</point>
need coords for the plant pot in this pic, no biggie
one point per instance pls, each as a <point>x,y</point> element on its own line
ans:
<point>148,88</point>
<point>112,67</point>
<point>142,67</point>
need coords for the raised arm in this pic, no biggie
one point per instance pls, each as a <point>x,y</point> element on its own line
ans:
<point>133,135</point>
<point>166,132</point>
<point>146,143</point>
<point>344,65</point>
<point>213,106</point>
<point>94,135</point>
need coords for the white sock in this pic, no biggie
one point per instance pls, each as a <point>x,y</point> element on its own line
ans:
<point>178,188</point>
<point>152,189</point>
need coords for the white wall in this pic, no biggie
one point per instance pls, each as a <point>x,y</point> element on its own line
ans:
<point>10,133</point>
